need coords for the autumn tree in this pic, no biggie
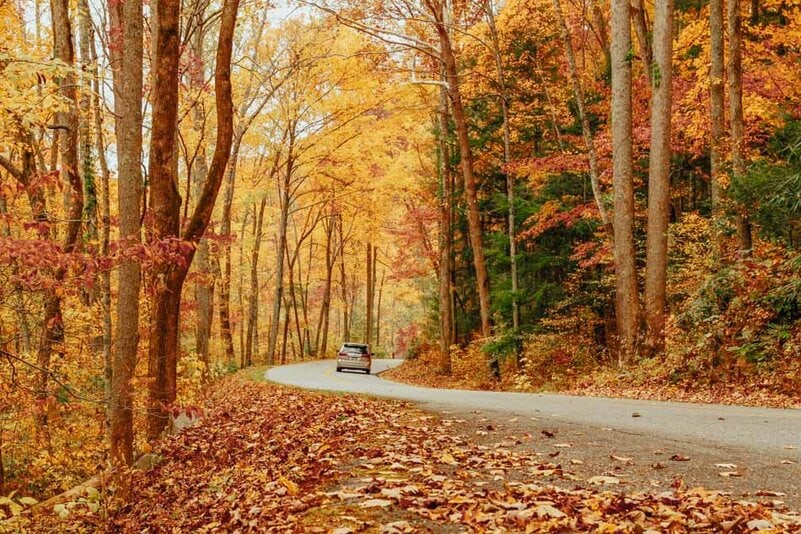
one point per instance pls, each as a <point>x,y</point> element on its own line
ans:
<point>127,51</point>
<point>659,178</point>
<point>165,200</point>
<point>625,261</point>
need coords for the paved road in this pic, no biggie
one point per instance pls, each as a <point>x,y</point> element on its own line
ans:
<point>767,431</point>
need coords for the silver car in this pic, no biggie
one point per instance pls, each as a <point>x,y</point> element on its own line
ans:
<point>354,356</point>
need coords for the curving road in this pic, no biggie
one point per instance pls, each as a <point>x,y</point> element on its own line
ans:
<point>772,432</point>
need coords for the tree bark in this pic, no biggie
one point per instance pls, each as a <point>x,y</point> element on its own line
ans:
<point>639,17</point>
<point>378,309</point>
<point>204,288</point>
<point>468,174</point>
<point>736,127</point>
<point>321,339</point>
<point>445,238</point>
<point>343,286</point>
<point>284,185</point>
<point>166,202</point>
<point>368,297</point>
<point>225,229</point>
<point>625,263</point>
<point>52,324</point>
<point>659,179</point>
<point>717,119</point>
<point>127,49</point>
<point>253,298</point>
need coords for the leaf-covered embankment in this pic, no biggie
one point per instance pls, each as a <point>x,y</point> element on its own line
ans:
<point>268,458</point>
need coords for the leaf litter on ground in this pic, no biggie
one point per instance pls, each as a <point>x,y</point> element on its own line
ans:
<point>273,459</point>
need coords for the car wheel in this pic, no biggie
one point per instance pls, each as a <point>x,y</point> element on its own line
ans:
<point>339,369</point>
<point>367,371</point>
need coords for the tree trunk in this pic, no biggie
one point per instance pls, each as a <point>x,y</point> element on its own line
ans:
<point>204,288</point>
<point>378,310</point>
<point>625,263</point>
<point>445,238</point>
<point>659,180</point>
<point>321,339</point>
<point>639,17</point>
<point>343,285</point>
<point>225,229</point>
<point>586,131</point>
<point>240,288</point>
<point>165,204</point>
<point>734,21</point>
<point>470,185</point>
<point>507,157</point>
<point>368,297</point>
<point>127,49</point>
<point>279,260</point>
<point>717,118</point>
<point>163,348</point>
<point>52,324</point>
<point>253,298</point>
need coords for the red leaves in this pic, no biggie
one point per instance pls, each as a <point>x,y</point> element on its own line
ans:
<point>552,215</point>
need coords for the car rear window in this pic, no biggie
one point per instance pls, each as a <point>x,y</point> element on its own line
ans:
<point>355,349</point>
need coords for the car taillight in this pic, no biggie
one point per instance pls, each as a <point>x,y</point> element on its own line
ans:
<point>343,353</point>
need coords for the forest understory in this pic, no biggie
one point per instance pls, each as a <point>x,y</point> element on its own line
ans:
<point>260,460</point>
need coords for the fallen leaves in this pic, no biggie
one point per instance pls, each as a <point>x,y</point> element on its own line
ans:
<point>324,463</point>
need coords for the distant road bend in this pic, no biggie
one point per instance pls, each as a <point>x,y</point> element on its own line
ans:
<point>766,430</point>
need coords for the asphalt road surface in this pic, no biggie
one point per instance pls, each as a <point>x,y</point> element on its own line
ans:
<point>660,441</point>
<point>770,431</point>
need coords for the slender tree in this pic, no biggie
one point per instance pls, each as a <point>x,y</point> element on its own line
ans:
<point>736,124</point>
<point>445,236</point>
<point>127,49</point>
<point>442,25</point>
<point>717,118</point>
<point>52,331</point>
<point>625,267</point>
<point>659,178</point>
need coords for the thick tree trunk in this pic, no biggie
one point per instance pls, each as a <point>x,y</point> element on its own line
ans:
<point>717,119</point>
<point>165,205</point>
<point>625,262</point>
<point>735,71</point>
<point>659,179</point>
<point>163,349</point>
<point>470,185</point>
<point>586,131</point>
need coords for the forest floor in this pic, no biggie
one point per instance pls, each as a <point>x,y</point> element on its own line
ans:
<point>643,384</point>
<point>272,458</point>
